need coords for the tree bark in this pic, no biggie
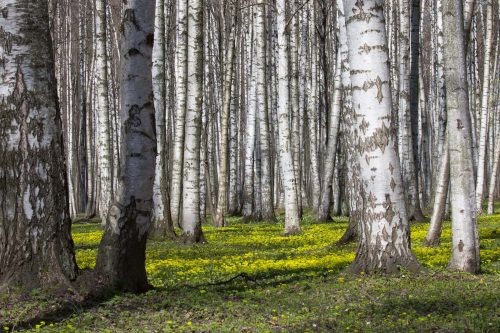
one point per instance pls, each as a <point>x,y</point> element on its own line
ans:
<point>384,243</point>
<point>433,237</point>
<point>267,206</point>
<point>465,242</point>
<point>219,216</point>
<point>36,248</point>
<point>180,111</point>
<point>122,251</point>
<point>337,103</point>
<point>250,124</point>
<point>161,224</point>
<point>104,147</point>
<point>313,114</point>
<point>292,219</point>
<point>494,177</point>
<point>406,153</point>
<point>483,135</point>
<point>191,220</point>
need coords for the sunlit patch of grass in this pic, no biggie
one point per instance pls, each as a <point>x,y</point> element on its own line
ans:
<point>260,249</point>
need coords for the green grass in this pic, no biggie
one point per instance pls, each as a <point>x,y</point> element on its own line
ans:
<point>249,278</point>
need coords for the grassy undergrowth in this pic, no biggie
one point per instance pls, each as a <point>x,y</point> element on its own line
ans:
<point>249,278</point>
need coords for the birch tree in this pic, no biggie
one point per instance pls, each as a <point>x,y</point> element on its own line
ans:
<point>292,28</point>
<point>121,256</point>
<point>312,112</point>
<point>465,242</point>
<point>483,135</point>
<point>219,218</point>
<point>35,227</point>
<point>384,243</point>
<point>250,123</point>
<point>494,177</point>
<point>267,202</point>
<point>341,83</point>
<point>104,148</point>
<point>433,237</point>
<point>292,219</point>
<point>180,110</point>
<point>408,165</point>
<point>162,224</point>
<point>191,221</point>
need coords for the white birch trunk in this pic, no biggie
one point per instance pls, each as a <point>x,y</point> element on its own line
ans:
<point>313,115</point>
<point>483,135</point>
<point>181,68</point>
<point>104,147</point>
<point>465,242</point>
<point>191,221</point>
<point>161,224</point>
<point>433,237</point>
<point>292,219</point>
<point>122,251</point>
<point>250,130</point>
<point>295,137</point>
<point>384,233</point>
<point>494,177</point>
<point>234,144</point>
<point>158,72</point>
<point>35,226</point>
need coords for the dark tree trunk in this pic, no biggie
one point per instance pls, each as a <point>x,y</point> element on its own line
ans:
<point>413,99</point>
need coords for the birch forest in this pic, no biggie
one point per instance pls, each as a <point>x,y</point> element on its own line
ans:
<point>161,145</point>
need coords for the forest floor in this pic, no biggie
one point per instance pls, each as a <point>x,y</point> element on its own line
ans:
<point>249,278</point>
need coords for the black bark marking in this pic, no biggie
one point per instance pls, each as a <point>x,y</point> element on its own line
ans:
<point>377,83</point>
<point>150,39</point>
<point>6,40</point>
<point>133,52</point>
<point>461,246</point>
<point>133,117</point>
<point>372,201</point>
<point>391,168</point>
<point>393,184</point>
<point>359,71</point>
<point>367,48</point>
<point>364,125</point>
<point>389,212</point>
<point>379,139</point>
<point>359,13</point>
